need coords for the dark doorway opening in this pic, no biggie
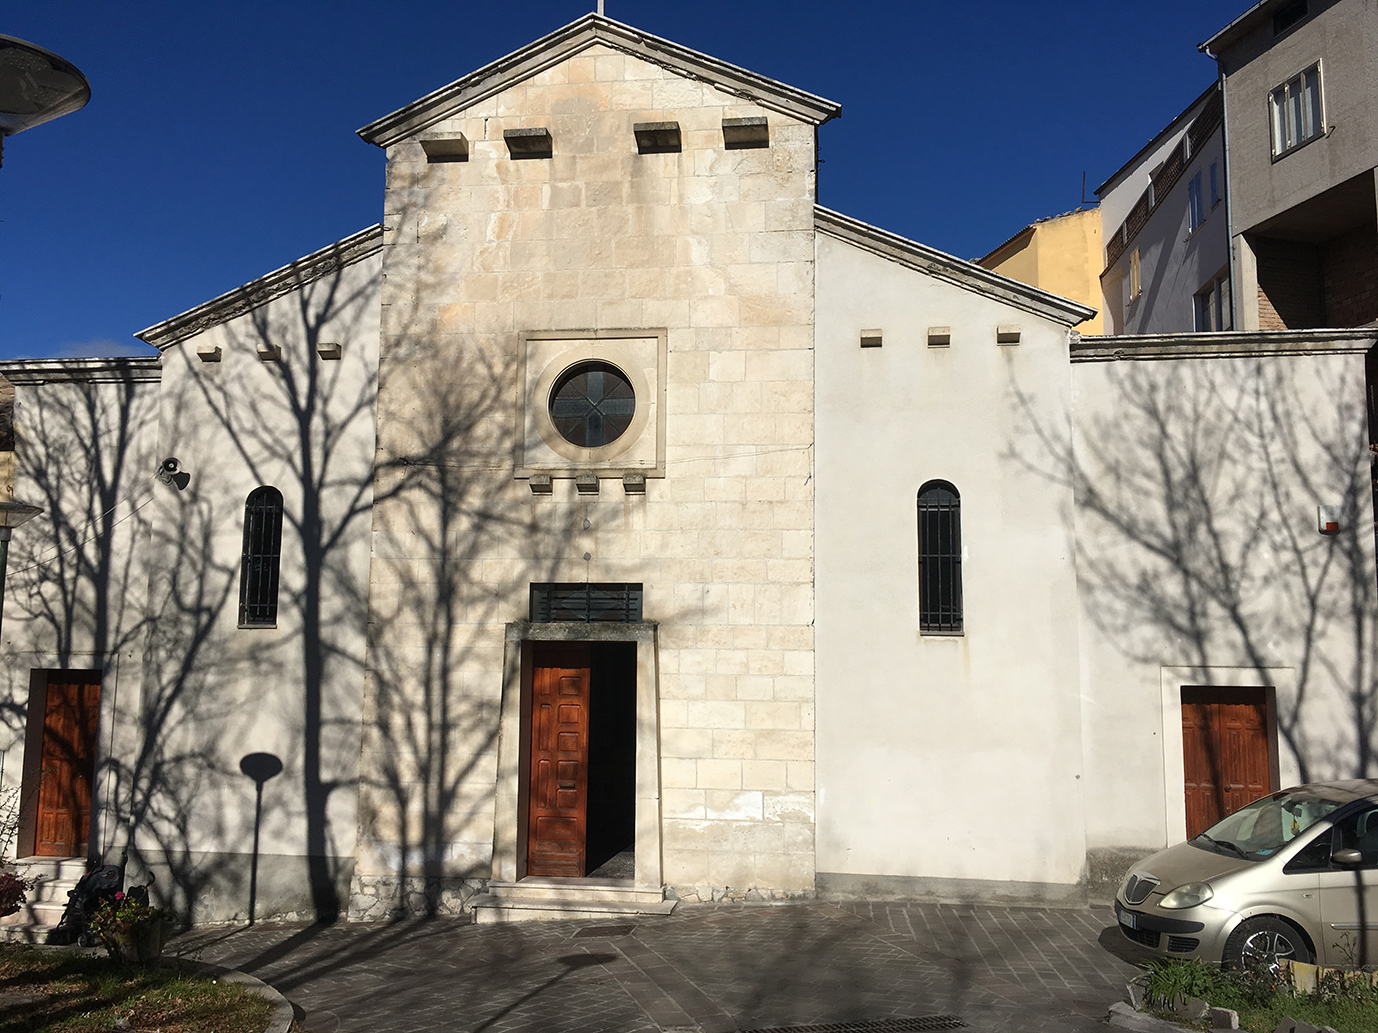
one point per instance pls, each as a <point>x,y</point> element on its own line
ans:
<point>612,761</point>
<point>582,805</point>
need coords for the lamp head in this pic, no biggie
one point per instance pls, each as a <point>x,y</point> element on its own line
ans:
<point>170,472</point>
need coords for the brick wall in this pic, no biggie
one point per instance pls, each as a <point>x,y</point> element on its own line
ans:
<point>1290,295</point>
<point>1350,267</point>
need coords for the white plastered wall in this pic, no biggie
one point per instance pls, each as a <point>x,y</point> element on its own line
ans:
<point>1270,439</point>
<point>952,759</point>
<point>305,425</point>
<point>77,578</point>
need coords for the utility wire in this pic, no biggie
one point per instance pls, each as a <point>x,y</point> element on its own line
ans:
<point>61,551</point>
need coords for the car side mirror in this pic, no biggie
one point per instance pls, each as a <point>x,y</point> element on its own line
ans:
<point>1347,857</point>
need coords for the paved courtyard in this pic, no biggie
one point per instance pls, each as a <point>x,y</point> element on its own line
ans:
<point>710,968</point>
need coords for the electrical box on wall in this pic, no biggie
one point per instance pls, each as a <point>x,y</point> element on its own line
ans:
<point>1328,519</point>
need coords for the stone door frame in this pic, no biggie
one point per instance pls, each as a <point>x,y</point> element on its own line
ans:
<point>1171,680</point>
<point>514,746</point>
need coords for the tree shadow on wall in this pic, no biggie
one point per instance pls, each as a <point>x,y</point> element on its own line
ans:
<point>1196,485</point>
<point>304,423</point>
<point>458,541</point>
<point>82,592</point>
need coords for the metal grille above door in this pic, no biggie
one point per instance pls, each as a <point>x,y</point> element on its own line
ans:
<point>584,603</point>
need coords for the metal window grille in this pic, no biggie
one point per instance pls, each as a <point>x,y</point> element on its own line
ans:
<point>585,603</point>
<point>258,574</point>
<point>940,558</point>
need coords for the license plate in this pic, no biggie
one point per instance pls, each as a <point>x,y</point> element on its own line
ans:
<point>1128,920</point>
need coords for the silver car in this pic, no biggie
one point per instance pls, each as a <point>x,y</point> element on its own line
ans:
<point>1292,875</point>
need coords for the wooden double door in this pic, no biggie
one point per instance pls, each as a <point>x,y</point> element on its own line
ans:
<point>1224,752</point>
<point>581,803</point>
<point>71,716</point>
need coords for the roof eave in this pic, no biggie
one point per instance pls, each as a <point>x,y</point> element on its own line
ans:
<point>954,270</point>
<point>1212,46</point>
<point>1205,94</point>
<point>579,35</point>
<point>259,292</point>
<point>120,369</point>
<point>1027,231</point>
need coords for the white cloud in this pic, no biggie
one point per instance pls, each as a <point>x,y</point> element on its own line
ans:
<point>100,348</point>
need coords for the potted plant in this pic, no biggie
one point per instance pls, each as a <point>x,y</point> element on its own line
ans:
<point>14,887</point>
<point>14,890</point>
<point>132,929</point>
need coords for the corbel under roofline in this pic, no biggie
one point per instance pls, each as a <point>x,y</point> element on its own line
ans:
<point>579,35</point>
<point>942,266</point>
<point>259,292</point>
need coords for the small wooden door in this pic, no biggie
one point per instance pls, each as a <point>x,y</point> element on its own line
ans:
<point>66,768</point>
<point>1224,752</point>
<point>558,816</point>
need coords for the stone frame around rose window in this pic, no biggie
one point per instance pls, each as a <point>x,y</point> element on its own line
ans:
<point>640,354</point>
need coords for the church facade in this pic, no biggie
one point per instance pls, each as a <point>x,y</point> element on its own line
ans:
<point>613,525</point>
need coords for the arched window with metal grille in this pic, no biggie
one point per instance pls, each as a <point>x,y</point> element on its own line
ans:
<point>940,558</point>
<point>258,574</point>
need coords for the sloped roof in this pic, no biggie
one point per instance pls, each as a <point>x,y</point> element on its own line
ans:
<point>259,292</point>
<point>942,266</point>
<point>579,35</point>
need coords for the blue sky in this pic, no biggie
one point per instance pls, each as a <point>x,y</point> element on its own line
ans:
<point>220,138</point>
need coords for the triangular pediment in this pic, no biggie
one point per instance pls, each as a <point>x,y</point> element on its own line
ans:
<point>562,44</point>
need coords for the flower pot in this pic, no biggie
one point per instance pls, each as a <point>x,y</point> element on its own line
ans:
<point>142,944</point>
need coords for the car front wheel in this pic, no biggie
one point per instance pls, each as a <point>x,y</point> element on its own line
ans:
<point>1262,943</point>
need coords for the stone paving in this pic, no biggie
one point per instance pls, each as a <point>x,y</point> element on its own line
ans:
<point>708,968</point>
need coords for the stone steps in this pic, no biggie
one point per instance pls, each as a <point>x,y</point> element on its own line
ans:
<point>56,876</point>
<point>538,899</point>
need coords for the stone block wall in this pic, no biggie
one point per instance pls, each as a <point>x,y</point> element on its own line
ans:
<point>712,246</point>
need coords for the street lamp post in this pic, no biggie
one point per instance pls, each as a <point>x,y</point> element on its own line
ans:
<point>12,514</point>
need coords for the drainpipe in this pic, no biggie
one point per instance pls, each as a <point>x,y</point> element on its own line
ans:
<point>1235,298</point>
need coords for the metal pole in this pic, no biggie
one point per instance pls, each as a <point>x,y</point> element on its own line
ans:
<point>253,868</point>
<point>4,562</point>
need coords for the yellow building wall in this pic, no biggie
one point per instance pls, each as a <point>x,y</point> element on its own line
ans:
<point>1061,255</point>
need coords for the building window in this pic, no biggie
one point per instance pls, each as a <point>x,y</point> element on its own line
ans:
<point>1295,110</point>
<point>1195,204</point>
<point>258,573</point>
<point>592,404</point>
<point>1214,310</point>
<point>940,558</point>
<point>1136,286</point>
<point>1215,186</point>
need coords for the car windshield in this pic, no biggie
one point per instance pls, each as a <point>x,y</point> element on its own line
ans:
<point>1264,827</point>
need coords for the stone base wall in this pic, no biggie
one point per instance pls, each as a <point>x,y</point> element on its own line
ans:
<point>734,895</point>
<point>210,888</point>
<point>374,898</point>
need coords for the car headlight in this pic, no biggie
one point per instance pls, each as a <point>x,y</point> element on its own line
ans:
<point>1189,895</point>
